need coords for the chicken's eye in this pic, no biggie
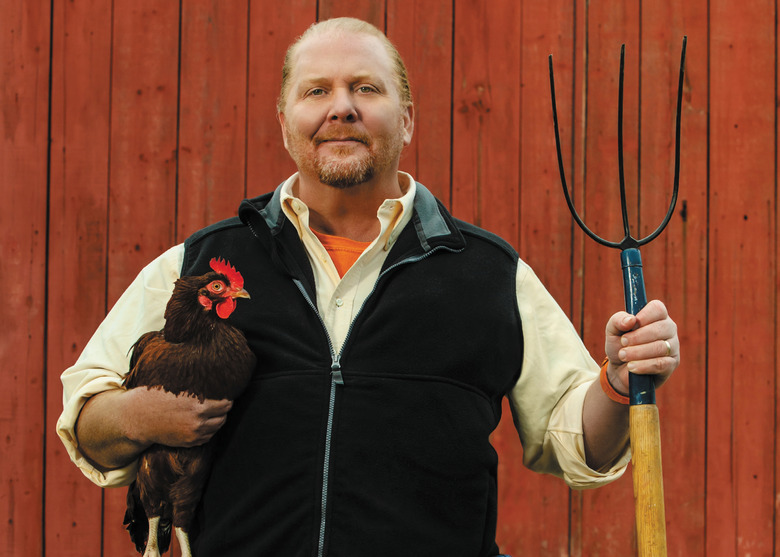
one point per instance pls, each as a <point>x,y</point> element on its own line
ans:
<point>216,286</point>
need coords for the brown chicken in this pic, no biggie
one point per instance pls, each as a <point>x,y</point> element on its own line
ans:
<point>197,353</point>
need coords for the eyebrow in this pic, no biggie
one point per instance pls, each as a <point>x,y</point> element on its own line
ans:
<point>308,81</point>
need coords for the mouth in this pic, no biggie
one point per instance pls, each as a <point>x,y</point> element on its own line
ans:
<point>342,140</point>
<point>343,137</point>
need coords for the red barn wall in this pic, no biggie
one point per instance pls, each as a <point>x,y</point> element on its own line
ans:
<point>127,125</point>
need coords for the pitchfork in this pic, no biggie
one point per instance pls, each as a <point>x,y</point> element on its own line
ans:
<point>643,414</point>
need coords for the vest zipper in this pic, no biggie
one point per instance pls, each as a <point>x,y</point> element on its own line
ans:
<point>337,379</point>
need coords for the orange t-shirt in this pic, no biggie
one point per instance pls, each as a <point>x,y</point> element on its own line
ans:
<point>343,251</point>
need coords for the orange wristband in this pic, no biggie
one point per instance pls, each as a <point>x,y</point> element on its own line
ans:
<point>607,387</point>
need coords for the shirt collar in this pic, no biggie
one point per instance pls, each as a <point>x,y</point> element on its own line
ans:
<point>393,214</point>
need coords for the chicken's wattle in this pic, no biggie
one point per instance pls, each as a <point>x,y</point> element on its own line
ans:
<point>226,307</point>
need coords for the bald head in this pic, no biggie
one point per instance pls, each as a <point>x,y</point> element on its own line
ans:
<point>341,26</point>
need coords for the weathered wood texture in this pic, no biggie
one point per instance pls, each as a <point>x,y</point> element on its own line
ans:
<point>24,107</point>
<point>78,240</point>
<point>128,125</point>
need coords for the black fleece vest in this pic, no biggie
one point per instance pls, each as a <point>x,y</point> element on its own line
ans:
<point>381,450</point>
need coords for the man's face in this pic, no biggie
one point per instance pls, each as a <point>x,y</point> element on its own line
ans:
<point>342,120</point>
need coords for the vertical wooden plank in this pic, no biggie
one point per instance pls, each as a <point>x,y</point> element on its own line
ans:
<point>24,98</point>
<point>422,33</point>
<point>212,125</point>
<point>81,79</point>
<point>546,224</point>
<point>675,263</point>
<point>486,117</point>
<point>273,27</point>
<point>776,548</point>
<point>372,11</point>
<point>579,116</point>
<point>742,297</point>
<point>142,200</point>
<point>608,26</point>
<point>143,137</point>
<point>486,168</point>
<point>545,243</point>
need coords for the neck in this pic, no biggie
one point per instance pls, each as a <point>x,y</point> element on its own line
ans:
<point>347,212</point>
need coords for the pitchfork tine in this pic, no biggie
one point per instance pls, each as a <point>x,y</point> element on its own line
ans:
<point>623,209</point>
<point>562,171</point>
<point>673,202</point>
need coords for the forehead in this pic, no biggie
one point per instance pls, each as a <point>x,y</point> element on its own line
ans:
<point>341,55</point>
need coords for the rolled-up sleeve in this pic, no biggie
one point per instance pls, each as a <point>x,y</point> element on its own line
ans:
<point>106,357</point>
<point>547,399</point>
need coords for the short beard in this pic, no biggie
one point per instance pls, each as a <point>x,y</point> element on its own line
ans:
<point>345,174</point>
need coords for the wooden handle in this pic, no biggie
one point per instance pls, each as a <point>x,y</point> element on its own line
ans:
<point>648,480</point>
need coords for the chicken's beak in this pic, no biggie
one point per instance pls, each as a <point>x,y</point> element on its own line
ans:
<point>240,294</point>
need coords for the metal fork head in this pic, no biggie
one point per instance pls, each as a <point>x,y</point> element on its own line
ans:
<point>628,240</point>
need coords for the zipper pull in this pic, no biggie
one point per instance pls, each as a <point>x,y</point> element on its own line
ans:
<point>335,373</point>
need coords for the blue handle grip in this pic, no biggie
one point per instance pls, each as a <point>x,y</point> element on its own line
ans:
<point>641,387</point>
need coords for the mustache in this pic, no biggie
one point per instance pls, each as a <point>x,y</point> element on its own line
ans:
<point>342,134</point>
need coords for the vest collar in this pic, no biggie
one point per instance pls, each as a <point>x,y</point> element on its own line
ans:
<point>432,223</point>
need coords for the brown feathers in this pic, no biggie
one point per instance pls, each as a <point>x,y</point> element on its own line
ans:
<point>196,353</point>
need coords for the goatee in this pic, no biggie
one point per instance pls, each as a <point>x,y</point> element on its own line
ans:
<point>344,174</point>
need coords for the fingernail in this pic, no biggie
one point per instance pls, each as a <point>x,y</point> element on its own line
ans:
<point>630,366</point>
<point>622,355</point>
<point>624,341</point>
<point>627,320</point>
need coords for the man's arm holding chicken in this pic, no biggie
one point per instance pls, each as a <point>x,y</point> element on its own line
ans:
<point>116,426</point>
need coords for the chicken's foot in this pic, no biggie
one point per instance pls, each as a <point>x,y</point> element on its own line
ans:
<point>152,548</point>
<point>184,542</point>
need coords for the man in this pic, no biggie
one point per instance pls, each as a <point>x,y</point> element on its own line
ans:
<point>387,334</point>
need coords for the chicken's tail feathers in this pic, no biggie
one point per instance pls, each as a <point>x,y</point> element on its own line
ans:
<point>137,523</point>
<point>135,519</point>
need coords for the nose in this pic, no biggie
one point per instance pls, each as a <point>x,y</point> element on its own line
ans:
<point>343,106</point>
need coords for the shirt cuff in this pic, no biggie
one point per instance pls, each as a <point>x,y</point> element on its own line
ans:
<point>565,437</point>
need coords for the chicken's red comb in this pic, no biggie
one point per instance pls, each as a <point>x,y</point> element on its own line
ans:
<point>224,267</point>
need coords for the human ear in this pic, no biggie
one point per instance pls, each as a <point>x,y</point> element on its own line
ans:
<point>408,123</point>
<point>282,124</point>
